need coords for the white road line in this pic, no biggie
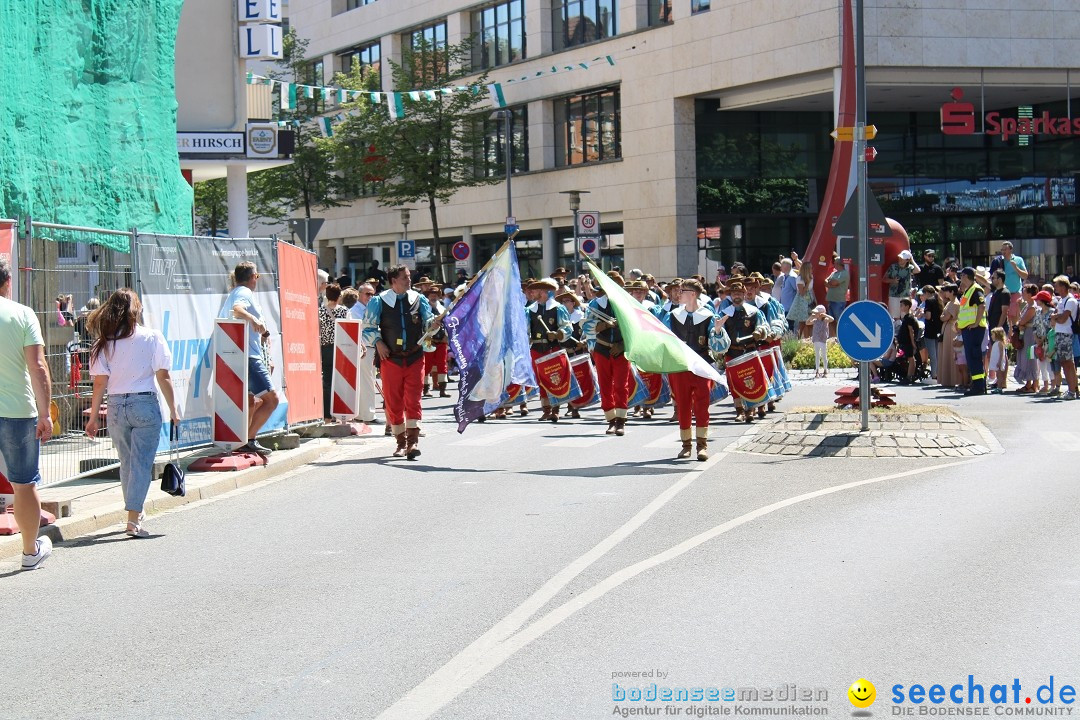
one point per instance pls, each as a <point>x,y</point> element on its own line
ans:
<point>488,652</point>
<point>1063,441</point>
<point>446,683</point>
<point>497,437</point>
<point>577,442</point>
<point>667,442</point>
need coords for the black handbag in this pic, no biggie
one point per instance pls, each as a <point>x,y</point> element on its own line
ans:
<point>172,479</point>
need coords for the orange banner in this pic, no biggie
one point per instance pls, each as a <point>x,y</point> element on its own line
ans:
<point>298,286</point>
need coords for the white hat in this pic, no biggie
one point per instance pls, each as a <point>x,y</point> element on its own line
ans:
<point>905,254</point>
<point>819,309</point>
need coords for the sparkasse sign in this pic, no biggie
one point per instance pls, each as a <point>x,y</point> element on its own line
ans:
<point>958,118</point>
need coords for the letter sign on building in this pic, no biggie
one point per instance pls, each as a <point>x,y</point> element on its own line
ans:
<point>260,42</point>
<point>957,118</point>
<point>258,11</point>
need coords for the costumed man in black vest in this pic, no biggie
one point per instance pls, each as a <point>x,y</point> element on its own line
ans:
<point>395,323</point>
<point>747,329</point>
<point>575,344</point>
<point>549,327</point>
<point>612,367</point>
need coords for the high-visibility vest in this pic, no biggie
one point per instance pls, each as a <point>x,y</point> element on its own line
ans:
<point>968,312</point>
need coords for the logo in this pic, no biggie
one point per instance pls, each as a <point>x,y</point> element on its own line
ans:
<point>262,141</point>
<point>958,118</point>
<point>862,693</point>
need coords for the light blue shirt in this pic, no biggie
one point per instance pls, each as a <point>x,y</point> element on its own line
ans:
<point>790,290</point>
<point>241,295</point>
<point>1013,282</point>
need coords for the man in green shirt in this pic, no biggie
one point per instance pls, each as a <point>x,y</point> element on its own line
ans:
<point>25,395</point>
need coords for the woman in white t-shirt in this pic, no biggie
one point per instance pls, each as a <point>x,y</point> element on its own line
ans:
<point>124,360</point>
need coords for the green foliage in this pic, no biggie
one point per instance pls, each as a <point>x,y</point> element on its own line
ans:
<point>429,154</point>
<point>310,181</point>
<point>804,357</point>
<point>729,181</point>
<point>211,206</point>
<point>789,345</point>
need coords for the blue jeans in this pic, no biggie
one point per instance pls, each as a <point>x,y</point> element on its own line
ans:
<point>19,448</point>
<point>836,307</point>
<point>135,426</point>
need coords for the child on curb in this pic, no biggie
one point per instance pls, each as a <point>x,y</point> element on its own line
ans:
<point>819,333</point>
<point>996,374</point>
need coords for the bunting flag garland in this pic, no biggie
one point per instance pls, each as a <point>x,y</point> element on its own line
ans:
<point>394,99</point>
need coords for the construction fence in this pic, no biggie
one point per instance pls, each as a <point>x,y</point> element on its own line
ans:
<point>63,273</point>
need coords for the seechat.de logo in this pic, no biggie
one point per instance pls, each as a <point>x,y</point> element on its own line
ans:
<point>958,118</point>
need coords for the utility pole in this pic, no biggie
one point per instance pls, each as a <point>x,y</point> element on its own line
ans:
<point>862,245</point>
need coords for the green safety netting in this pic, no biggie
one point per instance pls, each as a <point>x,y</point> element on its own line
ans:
<point>88,115</point>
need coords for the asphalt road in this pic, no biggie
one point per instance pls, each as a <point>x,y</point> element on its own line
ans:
<point>512,571</point>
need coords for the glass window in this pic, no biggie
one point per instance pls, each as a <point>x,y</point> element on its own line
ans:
<point>314,76</point>
<point>659,12</point>
<point>587,128</point>
<point>500,32</point>
<point>368,57</point>
<point>576,22</point>
<point>697,6</point>
<point>353,4</point>
<point>491,150</point>
<point>428,45</point>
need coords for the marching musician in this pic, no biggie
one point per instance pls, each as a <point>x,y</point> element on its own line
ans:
<point>435,349</point>
<point>773,311</point>
<point>549,327</point>
<point>575,344</point>
<point>395,323</point>
<point>612,368</point>
<point>639,290</point>
<point>747,329</point>
<point>697,326</point>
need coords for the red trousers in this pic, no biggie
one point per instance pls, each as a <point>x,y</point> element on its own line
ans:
<point>436,361</point>
<point>613,374</point>
<point>401,387</point>
<point>691,395</point>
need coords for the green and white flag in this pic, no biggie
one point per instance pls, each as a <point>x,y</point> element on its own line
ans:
<point>285,95</point>
<point>650,345</point>
<point>395,105</point>
<point>309,92</point>
<point>325,127</point>
<point>375,98</point>
<point>497,94</point>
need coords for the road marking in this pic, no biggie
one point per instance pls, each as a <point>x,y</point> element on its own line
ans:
<point>458,674</point>
<point>1063,441</point>
<point>667,442</point>
<point>577,442</point>
<point>497,437</point>
<point>500,643</point>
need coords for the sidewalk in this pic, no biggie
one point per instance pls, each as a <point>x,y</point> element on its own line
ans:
<point>98,503</point>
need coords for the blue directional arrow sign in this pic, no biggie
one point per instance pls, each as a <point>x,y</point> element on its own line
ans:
<point>865,331</point>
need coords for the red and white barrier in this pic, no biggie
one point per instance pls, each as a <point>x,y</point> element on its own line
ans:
<point>230,391</point>
<point>345,386</point>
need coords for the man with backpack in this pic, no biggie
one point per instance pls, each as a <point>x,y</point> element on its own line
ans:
<point>1066,321</point>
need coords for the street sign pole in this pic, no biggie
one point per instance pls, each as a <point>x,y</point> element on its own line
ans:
<point>862,240</point>
<point>577,248</point>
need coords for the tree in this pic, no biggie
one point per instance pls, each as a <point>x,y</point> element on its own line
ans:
<point>431,152</point>
<point>310,181</point>
<point>211,206</point>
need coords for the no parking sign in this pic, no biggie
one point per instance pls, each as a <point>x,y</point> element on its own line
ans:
<point>591,247</point>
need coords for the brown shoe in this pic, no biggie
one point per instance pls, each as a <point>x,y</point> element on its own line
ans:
<point>575,414</point>
<point>545,416</point>
<point>400,450</point>
<point>389,431</point>
<point>620,426</point>
<point>554,415</point>
<point>702,450</point>
<point>442,390</point>
<point>412,439</point>
<point>610,428</point>
<point>685,452</point>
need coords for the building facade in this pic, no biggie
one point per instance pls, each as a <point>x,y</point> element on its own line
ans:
<point>711,127</point>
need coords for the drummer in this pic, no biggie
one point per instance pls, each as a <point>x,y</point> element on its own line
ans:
<point>747,329</point>
<point>549,326</point>
<point>575,344</point>
<point>435,349</point>
<point>775,317</point>
<point>612,367</point>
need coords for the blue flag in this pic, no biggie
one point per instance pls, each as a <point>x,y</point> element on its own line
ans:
<point>489,338</point>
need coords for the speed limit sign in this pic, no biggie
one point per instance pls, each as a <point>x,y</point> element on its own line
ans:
<point>588,223</point>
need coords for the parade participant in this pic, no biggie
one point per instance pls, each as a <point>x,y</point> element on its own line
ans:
<point>673,291</point>
<point>435,357</point>
<point>395,322</point>
<point>639,290</point>
<point>549,326</point>
<point>559,276</point>
<point>773,312</point>
<point>698,327</point>
<point>612,366</point>
<point>575,344</point>
<point>747,329</point>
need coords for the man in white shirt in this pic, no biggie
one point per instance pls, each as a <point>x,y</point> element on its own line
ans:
<point>1066,312</point>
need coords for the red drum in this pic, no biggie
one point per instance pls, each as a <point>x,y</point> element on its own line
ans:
<point>748,380</point>
<point>768,361</point>
<point>555,377</point>
<point>586,378</point>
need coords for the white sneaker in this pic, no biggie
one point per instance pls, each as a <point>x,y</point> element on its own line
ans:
<point>44,550</point>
